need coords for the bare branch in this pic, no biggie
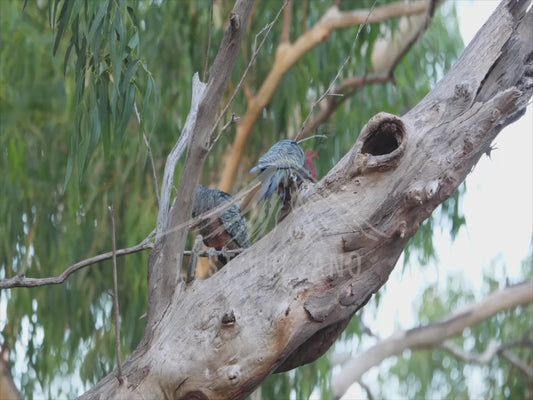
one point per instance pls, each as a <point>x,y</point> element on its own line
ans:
<point>23,281</point>
<point>198,92</point>
<point>232,121</point>
<point>525,342</point>
<point>390,49</point>
<point>115,298</point>
<point>431,335</point>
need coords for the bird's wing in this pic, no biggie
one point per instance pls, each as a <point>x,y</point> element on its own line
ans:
<point>235,225</point>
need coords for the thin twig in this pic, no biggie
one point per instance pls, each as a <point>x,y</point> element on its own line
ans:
<point>115,297</point>
<point>23,281</point>
<point>233,120</point>
<point>366,329</point>
<point>206,64</point>
<point>266,28</point>
<point>150,155</point>
<point>241,82</point>
<point>339,72</point>
<point>146,244</point>
<point>312,137</point>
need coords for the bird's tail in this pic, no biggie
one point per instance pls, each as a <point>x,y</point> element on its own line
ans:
<point>271,179</point>
<point>281,181</point>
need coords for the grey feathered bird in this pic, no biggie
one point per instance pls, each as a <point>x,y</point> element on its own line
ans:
<point>281,169</point>
<point>225,230</point>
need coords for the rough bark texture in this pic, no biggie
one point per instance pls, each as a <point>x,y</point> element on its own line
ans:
<point>284,301</point>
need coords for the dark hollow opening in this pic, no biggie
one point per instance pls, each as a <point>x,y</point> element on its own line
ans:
<point>384,139</point>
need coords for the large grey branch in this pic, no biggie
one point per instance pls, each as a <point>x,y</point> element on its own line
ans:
<point>434,334</point>
<point>198,91</point>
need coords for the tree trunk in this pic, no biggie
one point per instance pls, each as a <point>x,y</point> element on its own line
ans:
<point>285,300</point>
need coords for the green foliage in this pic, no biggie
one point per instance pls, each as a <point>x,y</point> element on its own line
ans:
<point>71,145</point>
<point>104,37</point>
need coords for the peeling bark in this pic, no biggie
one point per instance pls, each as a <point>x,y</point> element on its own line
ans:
<point>282,302</point>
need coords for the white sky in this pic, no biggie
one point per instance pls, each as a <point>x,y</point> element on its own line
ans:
<point>499,223</point>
